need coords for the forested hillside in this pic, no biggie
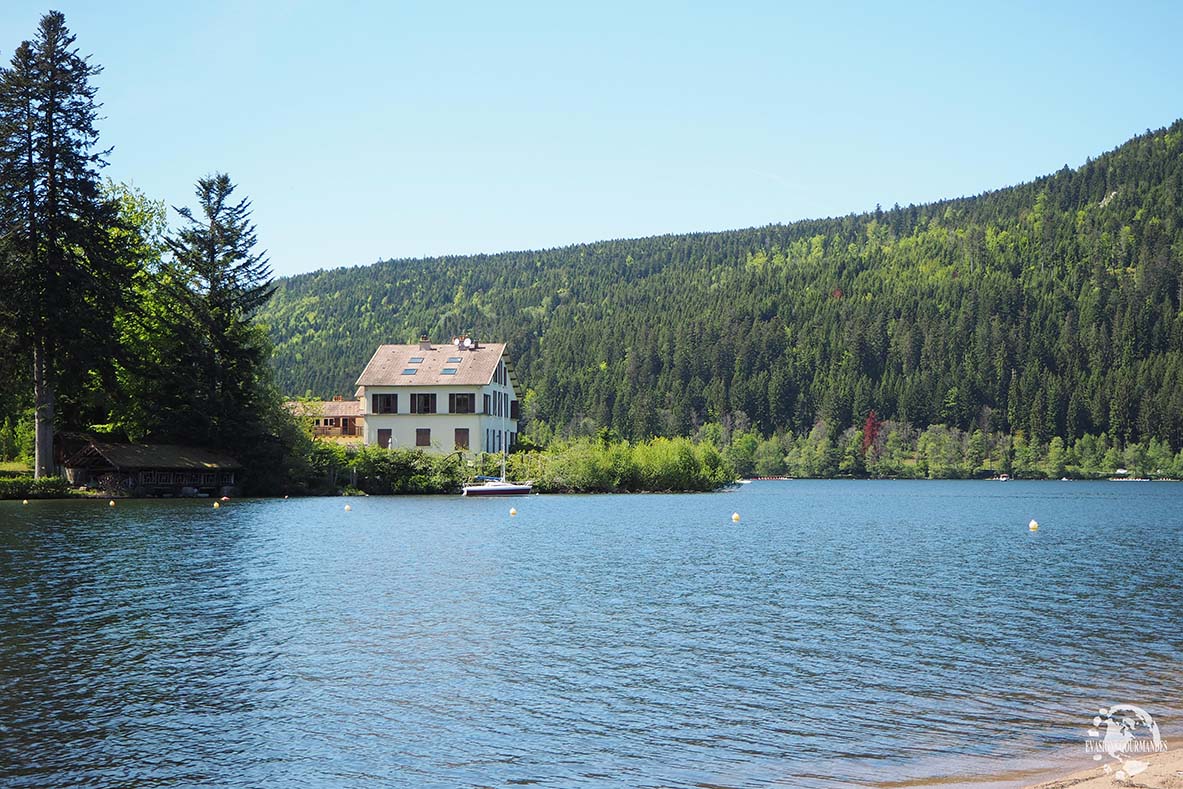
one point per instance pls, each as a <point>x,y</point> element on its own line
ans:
<point>1051,308</point>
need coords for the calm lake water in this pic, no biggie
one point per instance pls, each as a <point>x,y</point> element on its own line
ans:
<point>841,633</point>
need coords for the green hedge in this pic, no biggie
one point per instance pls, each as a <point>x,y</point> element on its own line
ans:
<point>596,466</point>
<point>29,488</point>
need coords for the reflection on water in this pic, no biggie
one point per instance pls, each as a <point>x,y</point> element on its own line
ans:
<point>843,632</point>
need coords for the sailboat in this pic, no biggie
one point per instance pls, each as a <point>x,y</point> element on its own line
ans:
<point>497,486</point>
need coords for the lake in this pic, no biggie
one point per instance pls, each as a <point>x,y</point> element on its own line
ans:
<point>843,632</point>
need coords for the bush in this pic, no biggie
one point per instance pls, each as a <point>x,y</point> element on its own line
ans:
<point>600,466</point>
<point>384,471</point>
<point>29,488</point>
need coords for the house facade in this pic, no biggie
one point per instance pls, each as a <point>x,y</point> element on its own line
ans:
<point>457,397</point>
<point>337,419</point>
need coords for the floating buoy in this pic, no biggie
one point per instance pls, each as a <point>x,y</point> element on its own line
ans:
<point>217,505</point>
<point>111,503</point>
<point>513,511</point>
<point>1033,525</point>
<point>225,498</point>
<point>735,517</point>
<point>285,497</point>
<point>26,501</point>
<point>348,508</point>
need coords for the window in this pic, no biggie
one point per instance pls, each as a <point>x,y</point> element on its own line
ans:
<point>423,404</point>
<point>454,360</point>
<point>416,360</point>
<point>461,438</point>
<point>386,404</point>
<point>462,403</point>
<point>488,403</point>
<point>410,370</point>
<point>423,436</point>
<point>448,371</point>
<point>384,437</point>
<point>515,411</point>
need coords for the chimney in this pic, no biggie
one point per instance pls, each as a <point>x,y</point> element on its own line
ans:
<point>424,343</point>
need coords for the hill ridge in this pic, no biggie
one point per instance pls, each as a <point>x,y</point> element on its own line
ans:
<point>1073,276</point>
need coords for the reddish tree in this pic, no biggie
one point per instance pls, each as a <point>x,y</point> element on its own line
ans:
<point>870,431</point>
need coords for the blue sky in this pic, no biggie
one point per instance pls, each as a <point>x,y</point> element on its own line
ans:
<point>373,130</point>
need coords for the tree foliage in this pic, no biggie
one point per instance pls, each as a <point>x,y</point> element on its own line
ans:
<point>1052,307</point>
<point>61,273</point>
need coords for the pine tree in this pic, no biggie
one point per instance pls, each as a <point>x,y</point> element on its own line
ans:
<point>218,282</point>
<point>60,274</point>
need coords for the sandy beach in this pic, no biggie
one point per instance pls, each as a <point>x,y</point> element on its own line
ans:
<point>1164,771</point>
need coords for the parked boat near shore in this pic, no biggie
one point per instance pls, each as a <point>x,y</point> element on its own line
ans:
<point>497,486</point>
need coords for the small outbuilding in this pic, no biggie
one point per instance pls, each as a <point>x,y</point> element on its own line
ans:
<point>152,469</point>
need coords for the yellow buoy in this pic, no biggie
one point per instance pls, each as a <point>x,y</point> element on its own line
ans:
<point>348,508</point>
<point>111,503</point>
<point>26,501</point>
<point>216,505</point>
<point>1033,525</point>
<point>735,517</point>
<point>513,511</point>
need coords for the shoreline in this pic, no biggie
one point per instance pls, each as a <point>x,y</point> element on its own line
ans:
<point>1060,768</point>
<point>73,494</point>
<point>1163,771</point>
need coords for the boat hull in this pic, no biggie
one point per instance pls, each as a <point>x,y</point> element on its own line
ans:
<point>497,489</point>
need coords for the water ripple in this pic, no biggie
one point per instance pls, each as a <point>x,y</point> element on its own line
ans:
<point>843,633</point>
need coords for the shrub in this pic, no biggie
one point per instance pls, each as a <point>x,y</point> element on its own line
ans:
<point>27,487</point>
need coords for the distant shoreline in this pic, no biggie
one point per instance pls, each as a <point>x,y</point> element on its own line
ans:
<point>77,495</point>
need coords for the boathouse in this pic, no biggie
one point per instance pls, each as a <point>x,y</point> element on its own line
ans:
<point>152,469</point>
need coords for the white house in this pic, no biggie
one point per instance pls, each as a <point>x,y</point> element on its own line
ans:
<point>461,396</point>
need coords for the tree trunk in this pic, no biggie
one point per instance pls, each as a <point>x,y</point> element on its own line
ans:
<point>43,402</point>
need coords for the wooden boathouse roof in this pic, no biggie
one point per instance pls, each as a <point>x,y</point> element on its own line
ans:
<point>171,457</point>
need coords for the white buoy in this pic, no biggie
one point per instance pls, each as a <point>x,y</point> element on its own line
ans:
<point>1033,525</point>
<point>513,511</point>
<point>735,517</point>
<point>26,501</point>
<point>111,503</point>
<point>348,508</point>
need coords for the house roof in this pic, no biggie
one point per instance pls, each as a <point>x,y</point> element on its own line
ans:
<point>475,367</point>
<point>325,408</point>
<point>153,456</point>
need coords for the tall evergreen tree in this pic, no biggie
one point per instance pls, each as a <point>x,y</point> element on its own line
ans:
<point>61,273</point>
<point>218,282</point>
